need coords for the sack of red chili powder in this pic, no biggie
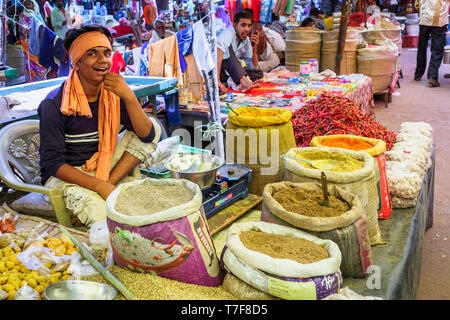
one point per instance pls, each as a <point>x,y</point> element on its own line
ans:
<point>374,147</point>
<point>174,242</point>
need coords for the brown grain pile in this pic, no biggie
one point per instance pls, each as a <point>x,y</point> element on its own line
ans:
<point>307,203</point>
<point>141,200</point>
<point>153,287</point>
<point>283,247</point>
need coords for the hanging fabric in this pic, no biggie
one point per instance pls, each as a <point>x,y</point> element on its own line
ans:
<point>185,40</point>
<point>202,50</point>
<point>164,59</point>
<point>118,63</point>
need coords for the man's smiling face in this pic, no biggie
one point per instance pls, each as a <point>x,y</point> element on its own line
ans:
<point>95,64</point>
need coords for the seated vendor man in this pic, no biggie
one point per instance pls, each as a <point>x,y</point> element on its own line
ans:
<point>80,123</point>
<point>267,58</point>
<point>159,31</point>
<point>234,44</point>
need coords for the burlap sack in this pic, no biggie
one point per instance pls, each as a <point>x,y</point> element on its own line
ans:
<point>377,151</point>
<point>349,230</point>
<point>256,138</point>
<point>302,44</point>
<point>329,49</point>
<point>395,35</point>
<point>283,278</point>
<point>360,182</point>
<point>379,64</point>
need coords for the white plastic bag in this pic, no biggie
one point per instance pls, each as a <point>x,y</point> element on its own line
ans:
<point>26,293</point>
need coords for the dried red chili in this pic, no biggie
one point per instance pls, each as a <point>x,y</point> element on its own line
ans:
<point>335,114</point>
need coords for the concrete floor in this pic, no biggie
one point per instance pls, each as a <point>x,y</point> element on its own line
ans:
<point>418,102</point>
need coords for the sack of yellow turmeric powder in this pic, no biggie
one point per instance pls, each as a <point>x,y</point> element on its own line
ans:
<point>354,172</point>
<point>298,205</point>
<point>374,147</point>
<point>256,138</point>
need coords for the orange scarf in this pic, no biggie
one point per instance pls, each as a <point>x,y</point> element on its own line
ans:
<point>75,103</point>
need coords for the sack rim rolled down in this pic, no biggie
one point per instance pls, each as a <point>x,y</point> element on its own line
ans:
<point>317,224</point>
<point>172,213</point>
<point>379,146</point>
<point>283,267</point>
<point>244,118</point>
<point>337,177</point>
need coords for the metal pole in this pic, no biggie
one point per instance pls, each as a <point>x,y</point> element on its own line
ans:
<point>218,134</point>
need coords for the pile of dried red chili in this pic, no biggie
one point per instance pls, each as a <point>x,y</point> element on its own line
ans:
<point>335,114</point>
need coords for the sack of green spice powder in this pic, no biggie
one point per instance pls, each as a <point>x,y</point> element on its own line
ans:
<point>348,230</point>
<point>174,242</point>
<point>360,182</point>
<point>282,277</point>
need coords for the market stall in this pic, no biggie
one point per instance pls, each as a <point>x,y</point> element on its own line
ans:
<point>315,199</point>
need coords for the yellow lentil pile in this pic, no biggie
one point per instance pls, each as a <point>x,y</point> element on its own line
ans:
<point>153,287</point>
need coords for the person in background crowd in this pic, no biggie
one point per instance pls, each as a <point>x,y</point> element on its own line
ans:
<point>33,70</point>
<point>234,44</point>
<point>267,59</point>
<point>308,22</point>
<point>278,26</point>
<point>79,128</point>
<point>113,6</point>
<point>159,31</point>
<point>59,19</point>
<point>149,15</point>
<point>433,21</point>
<point>315,14</point>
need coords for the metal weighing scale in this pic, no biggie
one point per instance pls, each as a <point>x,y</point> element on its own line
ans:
<point>231,185</point>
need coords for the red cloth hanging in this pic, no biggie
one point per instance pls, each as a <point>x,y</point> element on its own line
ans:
<point>118,63</point>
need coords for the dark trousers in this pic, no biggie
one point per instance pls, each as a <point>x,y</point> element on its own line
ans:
<point>437,35</point>
<point>233,68</point>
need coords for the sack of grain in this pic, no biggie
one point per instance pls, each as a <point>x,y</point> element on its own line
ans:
<point>158,225</point>
<point>378,63</point>
<point>330,41</point>
<point>256,138</point>
<point>360,182</point>
<point>297,205</point>
<point>374,147</point>
<point>302,44</point>
<point>283,262</point>
<point>394,34</point>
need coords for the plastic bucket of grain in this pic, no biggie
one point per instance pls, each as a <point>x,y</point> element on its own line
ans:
<point>158,226</point>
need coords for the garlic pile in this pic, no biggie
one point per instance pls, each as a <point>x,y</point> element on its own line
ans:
<point>408,161</point>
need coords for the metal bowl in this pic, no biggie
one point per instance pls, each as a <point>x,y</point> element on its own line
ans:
<point>203,178</point>
<point>79,290</point>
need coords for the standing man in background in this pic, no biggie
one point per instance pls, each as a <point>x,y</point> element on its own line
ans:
<point>149,15</point>
<point>59,18</point>
<point>433,21</point>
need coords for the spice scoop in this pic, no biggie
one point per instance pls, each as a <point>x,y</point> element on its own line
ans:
<point>323,179</point>
<point>325,164</point>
